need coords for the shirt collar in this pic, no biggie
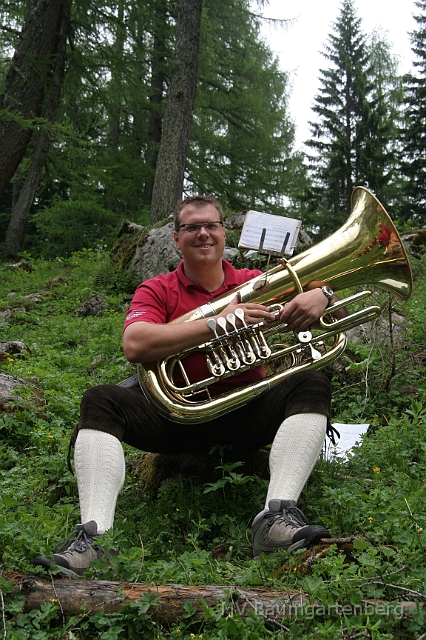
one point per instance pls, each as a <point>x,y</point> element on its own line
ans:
<point>229,282</point>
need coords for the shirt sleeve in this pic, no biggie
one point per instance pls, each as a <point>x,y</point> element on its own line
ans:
<point>148,304</point>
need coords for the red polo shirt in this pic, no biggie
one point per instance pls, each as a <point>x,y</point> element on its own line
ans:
<point>171,295</point>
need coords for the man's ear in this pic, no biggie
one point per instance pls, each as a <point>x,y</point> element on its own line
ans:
<point>176,239</point>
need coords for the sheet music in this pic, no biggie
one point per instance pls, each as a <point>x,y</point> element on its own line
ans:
<point>349,435</point>
<point>265,233</point>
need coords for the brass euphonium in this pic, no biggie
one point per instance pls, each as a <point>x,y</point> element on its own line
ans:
<point>366,250</point>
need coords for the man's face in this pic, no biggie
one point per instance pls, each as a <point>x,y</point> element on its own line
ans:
<point>202,246</point>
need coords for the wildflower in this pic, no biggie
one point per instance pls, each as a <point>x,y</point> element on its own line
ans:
<point>10,359</point>
<point>166,515</point>
<point>370,519</point>
<point>50,436</point>
<point>192,635</point>
<point>376,469</point>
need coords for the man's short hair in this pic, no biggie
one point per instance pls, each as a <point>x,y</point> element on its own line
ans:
<point>198,201</point>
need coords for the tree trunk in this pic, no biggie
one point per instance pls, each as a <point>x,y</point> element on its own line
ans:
<point>25,199</point>
<point>28,189</point>
<point>276,607</point>
<point>25,82</point>
<point>169,176</point>
<point>158,79</point>
<point>114,116</point>
<point>73,595</point>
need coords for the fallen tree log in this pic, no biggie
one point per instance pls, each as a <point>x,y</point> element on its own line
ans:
<point>77,596</point>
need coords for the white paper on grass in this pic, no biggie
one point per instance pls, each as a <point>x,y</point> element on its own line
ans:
<point>350,434</point>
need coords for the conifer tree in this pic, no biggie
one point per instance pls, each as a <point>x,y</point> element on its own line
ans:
<point>413,133</point>
<point>382,141</point>
<point>339,136</point>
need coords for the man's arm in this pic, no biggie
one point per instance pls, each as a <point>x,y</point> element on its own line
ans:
<point>147,342</point>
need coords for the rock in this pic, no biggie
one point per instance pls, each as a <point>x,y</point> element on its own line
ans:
<point>414,241</point>
<point>58,281</point>
<point>23,264</point>
<point>408,391</point>
<point>92,306</point>
<point>230,254</point>
<point>8,387</point>
<point>34,297</point>
<point>94,364</point>
<point>13,347</point>
<point>234,223</point>
<point>5,315</point>
<point>157,254</point>
<point>371,331</point>
<point>129,227</point>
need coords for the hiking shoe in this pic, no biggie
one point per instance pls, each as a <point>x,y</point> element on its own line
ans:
<point>75,556</point>
<point>283,526</point>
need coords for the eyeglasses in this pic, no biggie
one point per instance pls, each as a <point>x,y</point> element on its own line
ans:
<point>208,226</point>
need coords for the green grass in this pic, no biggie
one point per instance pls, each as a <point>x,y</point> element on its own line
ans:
<point>174,535</point>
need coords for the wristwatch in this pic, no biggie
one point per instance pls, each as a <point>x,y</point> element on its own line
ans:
<point>329,294</point>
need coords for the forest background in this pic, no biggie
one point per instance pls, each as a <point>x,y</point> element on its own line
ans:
<point>90,101</point>
<point>114,112</point>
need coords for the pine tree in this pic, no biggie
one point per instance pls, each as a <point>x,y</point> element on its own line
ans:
<point>382,141</point>
<point>413,133</point>
<point>339,136</point>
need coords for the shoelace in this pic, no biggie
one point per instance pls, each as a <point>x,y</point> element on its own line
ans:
<point>289,515</point>
<point>80,544</point>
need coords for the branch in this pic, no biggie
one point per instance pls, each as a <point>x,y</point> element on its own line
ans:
<point>409,592</point>
<point>10,30</point>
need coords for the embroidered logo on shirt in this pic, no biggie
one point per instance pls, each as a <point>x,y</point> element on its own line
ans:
<point>135,314</point>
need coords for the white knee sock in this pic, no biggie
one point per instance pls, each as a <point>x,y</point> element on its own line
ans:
<point>294,452</point>
<point>100,470</point>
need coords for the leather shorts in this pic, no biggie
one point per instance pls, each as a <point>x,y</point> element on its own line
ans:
<point>127,414</point>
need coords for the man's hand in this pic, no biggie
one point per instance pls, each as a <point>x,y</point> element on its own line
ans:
<point>253,312</point>
<point>303,310</point>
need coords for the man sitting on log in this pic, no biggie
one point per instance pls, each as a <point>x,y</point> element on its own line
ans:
<point>292,415</point>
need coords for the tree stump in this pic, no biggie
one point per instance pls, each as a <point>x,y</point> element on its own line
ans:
<point>155,468</point>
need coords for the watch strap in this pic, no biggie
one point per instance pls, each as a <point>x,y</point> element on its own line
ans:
<point>329,294</point>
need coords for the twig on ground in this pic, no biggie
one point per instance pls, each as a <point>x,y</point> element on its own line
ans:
<point>3,615</point>
<point>58,600</point>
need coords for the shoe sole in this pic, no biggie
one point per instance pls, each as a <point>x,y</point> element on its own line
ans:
<point>41,561</point>
<point>303,543</point>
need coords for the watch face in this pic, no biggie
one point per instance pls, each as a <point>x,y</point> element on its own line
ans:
<point>328,292</point>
